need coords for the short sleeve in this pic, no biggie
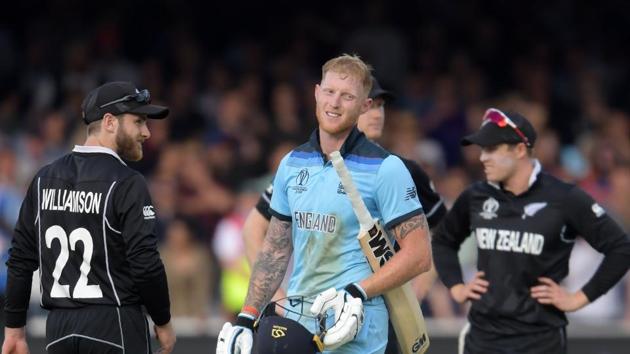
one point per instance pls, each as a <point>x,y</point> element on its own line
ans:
<point>279,206</point>
<point>396,194</point>
<point>263,202</point>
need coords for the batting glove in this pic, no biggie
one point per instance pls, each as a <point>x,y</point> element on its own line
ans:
<point>237,339</point>
<point>348,307</point>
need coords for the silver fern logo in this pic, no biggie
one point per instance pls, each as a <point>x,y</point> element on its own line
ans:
<point>532,208</point>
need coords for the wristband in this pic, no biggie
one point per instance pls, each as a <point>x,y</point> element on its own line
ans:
<point>250,310</point>
<point>245,320</point>
<point>355,290</point>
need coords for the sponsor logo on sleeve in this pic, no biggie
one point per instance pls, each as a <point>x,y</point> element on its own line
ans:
<point>598,210</point>
<point>411,193</point>
<point>148,212</point>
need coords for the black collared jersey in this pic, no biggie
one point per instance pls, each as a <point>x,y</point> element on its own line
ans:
<point>520,238</point>
<point>88,223</point>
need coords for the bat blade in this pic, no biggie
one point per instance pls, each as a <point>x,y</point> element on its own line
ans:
<point>404,309</point>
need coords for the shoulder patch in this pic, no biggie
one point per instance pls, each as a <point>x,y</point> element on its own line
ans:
<point>598,210</point>
<point>148,212</point>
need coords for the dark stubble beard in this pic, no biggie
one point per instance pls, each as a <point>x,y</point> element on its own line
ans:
<point>127,146</point>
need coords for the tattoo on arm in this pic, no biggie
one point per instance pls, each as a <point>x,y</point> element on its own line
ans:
<point>403,229</point>
<point>271,264</point>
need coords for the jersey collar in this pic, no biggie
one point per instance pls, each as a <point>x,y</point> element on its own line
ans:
<point>348,145</point>
<point>532,178</point>
<point>85,149</point>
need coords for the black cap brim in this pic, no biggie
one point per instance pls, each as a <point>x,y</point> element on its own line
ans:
<point>385,95</point>
<point>491,134</point>
<point>151,111</point>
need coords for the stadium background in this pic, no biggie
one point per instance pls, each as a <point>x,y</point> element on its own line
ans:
<point>239,80</point>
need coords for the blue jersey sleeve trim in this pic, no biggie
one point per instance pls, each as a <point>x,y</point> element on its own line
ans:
<point>280,216</point>
<point>403,217</point>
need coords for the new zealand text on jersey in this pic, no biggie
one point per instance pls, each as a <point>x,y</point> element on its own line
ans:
<point>509,241</point>
<point>70,200</point>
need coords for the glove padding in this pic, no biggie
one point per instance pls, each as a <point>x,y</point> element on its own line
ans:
<point>348,316</point>
<point>237,339</point>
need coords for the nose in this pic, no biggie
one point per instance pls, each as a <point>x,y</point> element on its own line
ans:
<point>483,157</point>
<point>146,134</point>
<point>335,101</point>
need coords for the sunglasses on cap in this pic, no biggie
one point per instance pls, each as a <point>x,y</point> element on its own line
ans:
<point>499,118</point>
<point>141,97</point>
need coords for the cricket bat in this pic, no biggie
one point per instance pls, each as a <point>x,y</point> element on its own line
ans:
<point>404,308</point>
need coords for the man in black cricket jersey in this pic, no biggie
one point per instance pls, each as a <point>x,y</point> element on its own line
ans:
<point>88,223</point>
<point>525,223</point>
<point>371,123</point>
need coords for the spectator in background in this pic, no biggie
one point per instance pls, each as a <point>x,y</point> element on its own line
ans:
<point>200,195</point>
<point>189,270</point>
<point>229,248</point>
<point>10,201</point>
<point>288,122</point>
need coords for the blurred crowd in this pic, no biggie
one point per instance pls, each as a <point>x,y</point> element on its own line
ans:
<point>241,98</point>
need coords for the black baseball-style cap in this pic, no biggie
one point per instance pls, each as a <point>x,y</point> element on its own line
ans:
<point>502,128</point>
<point>378,91</point>
<point>119,97</point>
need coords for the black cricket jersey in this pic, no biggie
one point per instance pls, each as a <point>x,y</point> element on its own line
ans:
<point>88,223</point>
<point>520,238</point>
<point>432,203</point>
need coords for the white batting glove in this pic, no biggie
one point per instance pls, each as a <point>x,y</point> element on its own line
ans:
<point>348,314</point>
<point>237,339</point>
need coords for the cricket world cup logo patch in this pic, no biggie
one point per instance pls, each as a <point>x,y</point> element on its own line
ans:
<point>302,177</point>
<point>301,180</point>
<point>490,207</point>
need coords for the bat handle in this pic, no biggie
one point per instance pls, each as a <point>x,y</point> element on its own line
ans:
<point>360,210</point>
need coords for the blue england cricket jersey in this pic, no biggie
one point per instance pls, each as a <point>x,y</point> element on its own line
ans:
<point>308,193</point>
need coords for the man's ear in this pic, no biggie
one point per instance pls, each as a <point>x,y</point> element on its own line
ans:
<point>521,150</point>
<point>110,122</point>
<point>366,105</point>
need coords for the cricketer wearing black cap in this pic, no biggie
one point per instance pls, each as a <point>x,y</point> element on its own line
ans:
<point>502,128</point>
<point>117,98</point>
<point>88,224</point>
<point>525,223</point>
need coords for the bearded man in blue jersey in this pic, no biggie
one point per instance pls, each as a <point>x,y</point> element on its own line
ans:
<point>312,220</point>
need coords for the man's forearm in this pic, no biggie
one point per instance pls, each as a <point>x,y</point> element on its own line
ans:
<point>413,258</point>
<point>271,264</point>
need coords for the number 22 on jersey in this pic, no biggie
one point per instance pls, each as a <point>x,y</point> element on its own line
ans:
<point>81,290</point>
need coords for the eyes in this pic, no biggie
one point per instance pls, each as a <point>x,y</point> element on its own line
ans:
<point>345,96</point>
<point>140,121</point>
<point>489,149</point>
